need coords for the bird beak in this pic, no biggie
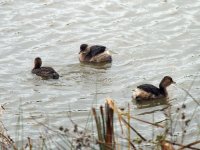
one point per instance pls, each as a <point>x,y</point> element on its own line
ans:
<point>173,82</point>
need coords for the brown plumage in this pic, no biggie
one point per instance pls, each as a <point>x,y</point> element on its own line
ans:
<point>95,53</point>
<point>148,91</point>
<point>44,72</point>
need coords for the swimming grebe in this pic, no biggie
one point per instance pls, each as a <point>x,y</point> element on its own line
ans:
<point>148,91</point>
<point>95,53</point>
<point>44,72</point>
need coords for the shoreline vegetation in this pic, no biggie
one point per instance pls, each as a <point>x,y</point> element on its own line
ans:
<point>106,135</point>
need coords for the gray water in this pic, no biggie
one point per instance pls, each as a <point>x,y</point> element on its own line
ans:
<point>148,40</point>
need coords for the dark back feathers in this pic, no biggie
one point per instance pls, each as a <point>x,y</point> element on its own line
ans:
<point>46,72</point>
<point>97,49</point>
<point>150,89</point>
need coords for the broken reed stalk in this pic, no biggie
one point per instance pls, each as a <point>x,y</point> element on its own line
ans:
<point>29,143</point>
<point>109,125</point>
<point>103,121</point>
<point>119,113</point>
<point>105,127</point>
<point>98,125</point>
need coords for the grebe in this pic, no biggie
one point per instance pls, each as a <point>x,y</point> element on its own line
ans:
<point>95,53</point>
<point>148,91</point>
<point>44,72</point>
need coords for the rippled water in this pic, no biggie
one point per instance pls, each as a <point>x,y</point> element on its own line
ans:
<point>148,40</point>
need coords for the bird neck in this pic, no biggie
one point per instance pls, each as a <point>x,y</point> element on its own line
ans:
<point>163,90</point>
<point>37,66</point>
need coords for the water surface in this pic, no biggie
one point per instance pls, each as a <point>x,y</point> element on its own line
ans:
<point>148,40</point>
